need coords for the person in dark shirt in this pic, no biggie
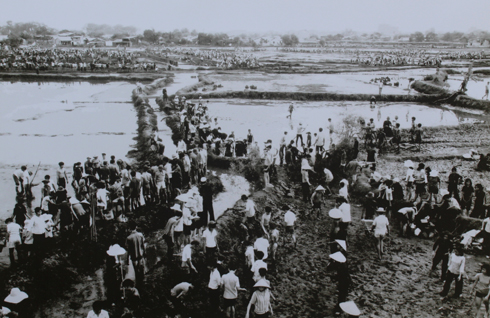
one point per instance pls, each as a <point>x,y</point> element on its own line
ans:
<point>479,209</point>
<point>20,212</point>
<point>207,201</point>
<point>370,206</point>
<point>453,181</point>
<point>250,137</point>
<point>467,197</point>
<point>387,127</point>
<point>104,172</point>
<point>442,248</point>
<point>371,154</point>
<point>77,171</point>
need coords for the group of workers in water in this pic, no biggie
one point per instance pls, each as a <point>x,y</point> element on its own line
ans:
<point>77,59</point>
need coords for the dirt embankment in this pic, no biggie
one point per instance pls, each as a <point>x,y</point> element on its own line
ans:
<point>145,149</point>
<point>203,82</point>
<point>436,93</point>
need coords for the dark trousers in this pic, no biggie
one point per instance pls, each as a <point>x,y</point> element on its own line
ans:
<point>214,299</point>
<point>305,187</point>
<point>208,210</point>
<point>454,193</point>
<point>447,284</point>
<point>343,290</point>
<point>39,244</point>
<point>282,151</point>
<point>170,248</point>
<point>299,136</point>
<point>319,149</point>
<point>437,259</point>
<point>211,255</point>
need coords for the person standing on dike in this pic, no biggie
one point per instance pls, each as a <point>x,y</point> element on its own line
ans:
<point>207,201</point>
<point>291,109</point>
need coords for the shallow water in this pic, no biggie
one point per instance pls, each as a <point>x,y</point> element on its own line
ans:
<point>52,122</point>
<point>267,119</point>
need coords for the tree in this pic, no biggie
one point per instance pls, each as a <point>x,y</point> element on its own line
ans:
<point>150,36</point>
<point>322,42</point>
<point>417,37</point>
<point>289,39</point>
<point>294,39</point>
<point>14,41</point>
<point>204,39</point>
<point>286,40</point>
<point>431,37</point>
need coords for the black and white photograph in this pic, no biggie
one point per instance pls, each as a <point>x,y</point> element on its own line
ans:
<point>244,159</point>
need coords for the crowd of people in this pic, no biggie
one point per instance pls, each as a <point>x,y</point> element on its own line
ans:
<point>108,188</point>
<point>228,59</point>
<point>92,59</point>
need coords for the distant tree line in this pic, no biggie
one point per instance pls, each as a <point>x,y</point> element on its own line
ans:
<point>28,32</point>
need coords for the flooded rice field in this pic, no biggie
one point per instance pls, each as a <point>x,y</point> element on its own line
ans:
<point>51,122</point>
<point>345,83</point>
<point>267,119</point>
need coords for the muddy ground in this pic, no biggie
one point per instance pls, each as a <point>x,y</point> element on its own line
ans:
<point>397,286</point>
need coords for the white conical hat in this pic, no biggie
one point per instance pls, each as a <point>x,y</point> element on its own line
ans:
<point>15,296</point>
<point>116,250</point>
<point>335,214</point>
<point>339,257</point>
<point>262,283</point>
<point>342,243</point>
<point>176,207</point>
<point>350,308</point>
<point>320,188</point>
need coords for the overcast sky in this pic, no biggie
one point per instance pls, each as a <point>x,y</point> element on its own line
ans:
<point>254,15</point>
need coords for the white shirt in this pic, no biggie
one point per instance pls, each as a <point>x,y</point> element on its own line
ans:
<point>230,283</point>
<point>343,192</point>
<point>125,177</point>
<point>381,224</point>
<point>103,314</point>
<point>262,244</point>
<point>345,209</point>
<point>187,253</point>
<point>186,216</point>
<point>181,146</point>
<point>38,225</point>
<point>486,224</point>
<point>456,264</point>
<point>210,237</point>
<point>320,139</point>
<point>102,198</point>
<point>214,279</point>
<point>13,230</point>
<point>249,254</point>
<point>289,218</point>
<point>250,209</point>
<point>258,264</point>
<point>453,203</point>
<point>409,177</point>
<point>179,227</point>
<point>204,156</point>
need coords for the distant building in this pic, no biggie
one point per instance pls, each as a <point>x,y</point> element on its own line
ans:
<point>479,43</point>
<point>64,41</point>
<point>124,42</point>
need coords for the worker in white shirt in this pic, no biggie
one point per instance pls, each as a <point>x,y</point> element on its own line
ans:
<point>213,287</point>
